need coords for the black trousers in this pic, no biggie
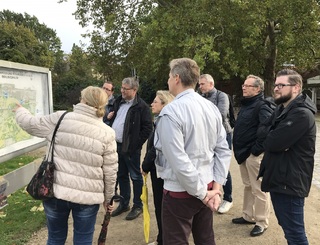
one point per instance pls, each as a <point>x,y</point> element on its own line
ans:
<point>157,188</point>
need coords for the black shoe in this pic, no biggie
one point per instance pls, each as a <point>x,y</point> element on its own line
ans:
<point>134,213</point>
<point>257,231</point>
<point>119,210</point>
<point>242,221</point>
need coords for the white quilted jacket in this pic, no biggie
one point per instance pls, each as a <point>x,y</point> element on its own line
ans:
<point>85,153</point>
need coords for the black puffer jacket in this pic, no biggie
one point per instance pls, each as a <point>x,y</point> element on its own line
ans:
<point>288,162</point>
<point>246,137</point>
<point>137,126</point>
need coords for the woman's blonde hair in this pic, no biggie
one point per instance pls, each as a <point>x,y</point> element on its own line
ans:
<point>95,97</point>
<point>165,96</point>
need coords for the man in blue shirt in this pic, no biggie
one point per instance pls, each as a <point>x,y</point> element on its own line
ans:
<point>132,122</point>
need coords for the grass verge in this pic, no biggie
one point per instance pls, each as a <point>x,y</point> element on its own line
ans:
<point>15,163</point>
<point>20,219</point>
<point>23,216</point>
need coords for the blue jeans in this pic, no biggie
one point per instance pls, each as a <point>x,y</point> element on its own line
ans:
<point>129,164</point>
<point>227,188</point>
<point>84,218</point>
<point>290,215</point>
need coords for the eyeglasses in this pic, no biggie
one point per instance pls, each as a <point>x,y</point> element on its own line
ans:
<point>126,89</point>
<point>248,86</point>
<point>281,85</point>
<point>106,89</point>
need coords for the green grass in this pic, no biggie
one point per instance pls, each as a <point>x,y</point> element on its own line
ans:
<point>15,163</point>
<point>17,221</point>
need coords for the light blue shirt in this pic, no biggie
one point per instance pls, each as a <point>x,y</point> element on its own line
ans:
<point>118,123</point>
<point>191,145</point>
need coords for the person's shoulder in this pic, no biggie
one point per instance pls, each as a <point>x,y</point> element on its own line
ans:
<point>172,108</point>
<point>118,99</point>
<point>112,100</point>
<point>141,101</point>
<point>268,102</point>
<point>222,94</point>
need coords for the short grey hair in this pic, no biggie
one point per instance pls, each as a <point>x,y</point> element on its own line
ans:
<point>133,82</point>
<point>258,82</point>
<point>187,69</point>
<point>208,77</point>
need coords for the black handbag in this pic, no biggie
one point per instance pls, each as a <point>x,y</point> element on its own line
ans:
<point>40,186</point>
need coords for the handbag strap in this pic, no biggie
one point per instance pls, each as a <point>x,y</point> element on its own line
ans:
<point>54,135</point>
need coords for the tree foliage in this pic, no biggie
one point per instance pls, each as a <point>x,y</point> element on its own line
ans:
<point>44,34</point>
<point>18,44</point>
<point>228,38</point>
<point>27,41</point>
<point>77,76</point>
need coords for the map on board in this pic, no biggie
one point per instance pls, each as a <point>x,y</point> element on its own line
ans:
<point>10,95</point>
<point>30,88</point>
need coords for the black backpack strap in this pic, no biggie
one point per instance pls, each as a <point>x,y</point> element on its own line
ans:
<point>217,97</point>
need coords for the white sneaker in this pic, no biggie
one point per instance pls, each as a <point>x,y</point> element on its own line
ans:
<point>225,207</point>
<point>153,243</point>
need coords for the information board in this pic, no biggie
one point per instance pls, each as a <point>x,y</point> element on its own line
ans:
<point>31,87</point>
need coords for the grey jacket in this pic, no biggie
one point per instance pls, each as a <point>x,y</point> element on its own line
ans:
<point>221,100</point>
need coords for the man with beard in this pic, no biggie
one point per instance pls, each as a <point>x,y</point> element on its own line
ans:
<point>288,162</point>
<point>248,151</point>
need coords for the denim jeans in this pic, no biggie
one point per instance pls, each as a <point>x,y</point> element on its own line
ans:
<point>129,164</point>
<point>227,188</point>
<point>84,218</point>
<point>290,215</point>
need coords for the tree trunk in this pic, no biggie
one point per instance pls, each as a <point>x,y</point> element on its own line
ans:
<point>269,72</point>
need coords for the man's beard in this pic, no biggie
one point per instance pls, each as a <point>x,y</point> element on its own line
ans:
<point>283,99</point>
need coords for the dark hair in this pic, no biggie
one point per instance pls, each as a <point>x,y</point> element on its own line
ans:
<point>109,82</point>
<point>293,76</point>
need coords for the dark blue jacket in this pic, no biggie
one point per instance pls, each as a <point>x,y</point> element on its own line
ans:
<point>288,162</point>
<point>246,137</point>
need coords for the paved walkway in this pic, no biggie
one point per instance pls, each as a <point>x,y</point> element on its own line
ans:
<point>316,173</point>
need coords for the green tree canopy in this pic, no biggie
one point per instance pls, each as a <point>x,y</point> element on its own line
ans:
<point>44,34</point>
<point>27,41</point>
<point>228,38</point>
<point>77,76</point>
<point>19,44</point>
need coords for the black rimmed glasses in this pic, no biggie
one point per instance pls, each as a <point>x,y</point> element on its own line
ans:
<point>281,85</point>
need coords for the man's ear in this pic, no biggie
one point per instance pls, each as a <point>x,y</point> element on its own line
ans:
<point>177,78</point>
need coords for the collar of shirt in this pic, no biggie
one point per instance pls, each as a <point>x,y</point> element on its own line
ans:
<point>187,91</point>
<point>126,101</point>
